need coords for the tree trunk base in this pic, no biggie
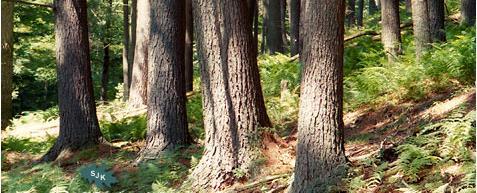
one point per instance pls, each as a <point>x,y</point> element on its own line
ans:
<point>62,150</point>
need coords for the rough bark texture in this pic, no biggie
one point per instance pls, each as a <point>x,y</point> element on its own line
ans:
<point>372,7</point>
<point>391,32</point>
<point>126,53</point>
<point>7,62</point>
<point>420,24</point>
<point>273,33</point>
<point>359,15</point>
<point>350,12</point>
<point>137,95</point>
<point>189,61</point>
<point>294,18</point>
<point>436,20</point>
<point>78,122</point>
<point>467,12</point>
<point>232,96</point>
<point>132,42</point>
<point>166,99</point>
<point>320,149</point>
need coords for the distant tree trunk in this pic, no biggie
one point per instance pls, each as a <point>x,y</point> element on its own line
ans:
<point>166,96</point>
<point>252,6</point>
<point>106,58</point>
<point>78,122</point>
<point>132,43</point>
<point>274,38</point>
<point>320,149</point>
<point>350,13</point>
<point>467,12</point>
<point>126,52</point>
<point>391,32</point>
<point>372,7</point>
<point>420,21</point>
<point>294,18</point>
<point>7,62</point>
<point>283,13</point>
<point>189,61</point>
<point>360,13</point>
<point>264,26</point>
<point>231,92</point>
<point>408,6</point>
<point>436,20</point>
<point>137,96</point>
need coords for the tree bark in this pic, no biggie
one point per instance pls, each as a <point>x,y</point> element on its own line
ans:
<point>283,16</point>
<point>137,96</point>
<point>106,58</point>
<point>420,23</point>
<point>294,18</point>
<point>274,36</point>
<point>132,42</point>
<point>467,12</point>
<point>189,67</point>
<point>7,62</point>
<point>359,20</point>
<point>232,96</point>
<point>166,98</point>
<point>372,7</point>
<point>78,122</point>
<point>350,13</point>
<point>320,150</point>
<point>436,20</point>
<point>126,53</point>
<point>391,32</point>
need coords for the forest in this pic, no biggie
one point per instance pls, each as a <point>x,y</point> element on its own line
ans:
<point>249,96</point>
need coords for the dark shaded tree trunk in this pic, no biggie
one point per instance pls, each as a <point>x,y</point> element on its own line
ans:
<point>7,62</point>
<point>436,20</point>
<point>408,6</point>
<point>189,38</point>
<point>420,23</point>
<point>391,31</point>
<point>137,95</point>
<point>252,6</point>
<point>132,43</point>
<point>359,20</point>
<point>467,12</point>
<point>320,157</point>
<point>273,35</point>
<point>372,7</point>
<point>166,96</point>
<point>294,18</point>
<point>264,26</point>
<point>350,13</point>
<point>232,96</point>
<point>106,58</point>
<point>126,53</point>
<point>283,13</point>
<point>78,122</point>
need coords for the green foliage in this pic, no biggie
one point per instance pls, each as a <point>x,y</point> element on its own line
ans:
<point>274,69</point>
<point>26,145</point>
<point>127,129</point>
<point>413,159</point>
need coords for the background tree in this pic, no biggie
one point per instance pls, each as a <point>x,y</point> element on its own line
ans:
<point>78,122</point>
<point>359,15</point>
<point>232,99</point>
<point>467,12</point>
<point>420,23</point>
<point>436,20</point>
<point>132,41</point>
<point>320,148</point>
<point>138,90</point>
<point>350,12</point>
<point>391,32</point>
<point>294,18</point>
<point>166,97</point>
<point>7,62</point>
<point>126,55</point>
<point>106,59</point>
<point>274,30</point>
<point>189,60</point>
<point>372,7</point>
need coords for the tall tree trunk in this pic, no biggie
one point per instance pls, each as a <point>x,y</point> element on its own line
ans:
<point>264,26</point>
<point>78,122</point>
<point>166,96</point>
<point>391,32</point>
<point>132,42</point>
<point>137,95</point>
<point>232,95</point>
<point>7,62</point>
<point>252,6</point>
<point>126,52</point>
<point>274,38</point>
<point>283,16</point>
<point>350,12</point>
<point>320,149</point>
<point>372,7</point>
<point>189,61</point>
<point>436,20</point>
<point>106,58</point>
<point>467,12</point>
<point>294,18</point>
<point>420,21</point>
<point>408,6</point>
<point>359,20</point>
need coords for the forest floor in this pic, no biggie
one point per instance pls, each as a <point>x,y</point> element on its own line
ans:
<point>369,132</point>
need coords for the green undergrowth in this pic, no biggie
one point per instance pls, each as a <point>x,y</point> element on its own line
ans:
<point>440,157</point>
